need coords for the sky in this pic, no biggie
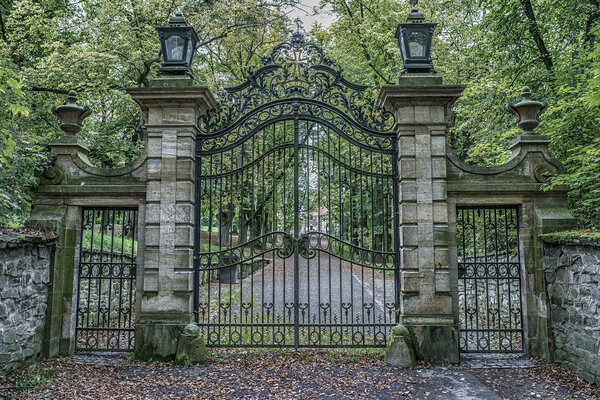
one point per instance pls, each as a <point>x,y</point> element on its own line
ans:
<point>304,11</point>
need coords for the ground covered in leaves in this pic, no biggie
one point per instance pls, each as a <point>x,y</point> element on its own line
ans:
<point>288,375</point>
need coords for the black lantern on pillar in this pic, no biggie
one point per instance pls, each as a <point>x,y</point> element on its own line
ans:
<point>178,41</point>
<point>414,38</point>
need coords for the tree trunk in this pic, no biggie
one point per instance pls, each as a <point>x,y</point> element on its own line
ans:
<point>244,218</point>
<point>226,224</point>
<point>255,224</point>
<point>537,36</point>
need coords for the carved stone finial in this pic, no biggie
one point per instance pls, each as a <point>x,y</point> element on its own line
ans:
<point>414,3</point>
<point>527,112</point>
<point>71,115</point>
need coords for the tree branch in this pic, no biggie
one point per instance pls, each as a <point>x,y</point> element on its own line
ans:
<point>48,90</point>
<point>537,36</point>
<point>365,50</point>
<point>594,15</point>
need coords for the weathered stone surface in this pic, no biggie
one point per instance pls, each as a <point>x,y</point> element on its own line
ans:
<point>190,347</point>
<point>156,337</point>
<point>25,263</point>
<point>400,351</point>
<point>426,305</point>
<point>169,236</point>
<point>436,343</point>
<point>572,273</point>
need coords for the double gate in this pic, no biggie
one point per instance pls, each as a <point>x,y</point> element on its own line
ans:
<point>296,210</point>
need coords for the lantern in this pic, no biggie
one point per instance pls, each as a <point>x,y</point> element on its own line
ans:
<point>178,41</point>
<point>414,39</point>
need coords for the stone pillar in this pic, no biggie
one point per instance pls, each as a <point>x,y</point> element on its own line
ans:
<point>420,103</point>
<point>171,109</point>
<point>54,213</point>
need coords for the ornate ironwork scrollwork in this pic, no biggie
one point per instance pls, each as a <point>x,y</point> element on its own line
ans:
<point>301,71</point>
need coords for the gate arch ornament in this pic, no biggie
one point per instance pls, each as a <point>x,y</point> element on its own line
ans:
<point>296,209</point>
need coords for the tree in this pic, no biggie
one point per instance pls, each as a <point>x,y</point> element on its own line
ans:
<point>495,47</point>
<point>99,48</point>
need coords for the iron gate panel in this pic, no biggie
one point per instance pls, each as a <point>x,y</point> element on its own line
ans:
<point>296,210</point>
<point>489,272</point>
<point>106,279</point>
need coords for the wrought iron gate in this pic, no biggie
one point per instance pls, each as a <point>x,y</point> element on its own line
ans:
<point>106,279</point>
<point>296,210</point>
<point>489,279</point>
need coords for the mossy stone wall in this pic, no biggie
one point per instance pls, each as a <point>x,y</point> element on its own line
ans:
<point>571,264</point>
<point>25,267</point>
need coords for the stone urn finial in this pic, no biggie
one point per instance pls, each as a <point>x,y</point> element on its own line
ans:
<point>71,115</point>
<point>527,112</point>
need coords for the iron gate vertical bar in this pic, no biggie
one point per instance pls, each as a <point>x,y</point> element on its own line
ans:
<point>197,229</point>
<point>397,244</point>
<point>518,242</point>
<point>83,224</point>
<point>296,228</point>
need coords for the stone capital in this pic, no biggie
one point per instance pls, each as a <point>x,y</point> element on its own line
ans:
<point>169,96</point>
<point>418,92</point>
<point>68,145</point>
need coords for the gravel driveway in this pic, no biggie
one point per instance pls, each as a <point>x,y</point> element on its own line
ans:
<point>353,302</point>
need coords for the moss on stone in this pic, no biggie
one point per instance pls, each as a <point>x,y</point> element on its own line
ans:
<point>570,237</point>
<point>148,353</point>
<point>400,330</point>
<point>182,359</point>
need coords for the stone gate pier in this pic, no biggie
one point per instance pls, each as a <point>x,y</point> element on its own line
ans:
<point>171,108</point>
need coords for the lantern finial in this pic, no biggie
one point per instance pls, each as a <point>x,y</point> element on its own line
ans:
<point>414,39</point>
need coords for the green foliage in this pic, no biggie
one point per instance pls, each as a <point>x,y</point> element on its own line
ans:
<point>583,178</point>
<point>495,47</point>
<point>17,180</point>
<point>99,48</point>
<point>11,106</point>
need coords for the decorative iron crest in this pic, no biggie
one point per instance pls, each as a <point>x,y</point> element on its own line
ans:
<point>297,72</point>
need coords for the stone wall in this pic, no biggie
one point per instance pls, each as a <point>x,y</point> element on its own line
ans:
<point>25,263</point>
<point>572,269</point>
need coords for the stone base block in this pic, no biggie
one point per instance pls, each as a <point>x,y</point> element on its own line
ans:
<point>401,349</point>
<point>437,344</point>
<point>157,339</point>
<point>190,348</point>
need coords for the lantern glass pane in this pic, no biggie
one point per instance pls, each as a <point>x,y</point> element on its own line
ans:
<point>174,45</point>
<point>402,44</point>
<point>417,44</point>
<point>190,51</point>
